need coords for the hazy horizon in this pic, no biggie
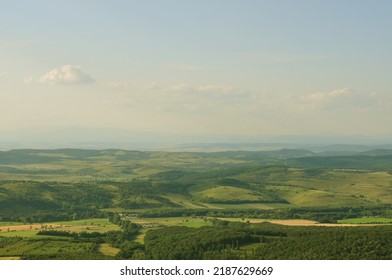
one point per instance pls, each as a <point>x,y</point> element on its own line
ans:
<point>109,138</point>
<point>170,72</point>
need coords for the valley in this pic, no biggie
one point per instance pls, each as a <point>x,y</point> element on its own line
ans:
<point>107,204</point>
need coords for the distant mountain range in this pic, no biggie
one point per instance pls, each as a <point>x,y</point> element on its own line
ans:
<point>114,138</point>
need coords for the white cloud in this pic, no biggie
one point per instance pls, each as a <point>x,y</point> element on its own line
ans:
<point>325,100</point>
<point>66,75</point>
<point>325,96</point>
<point>3,74</point>
<point>342,98</point>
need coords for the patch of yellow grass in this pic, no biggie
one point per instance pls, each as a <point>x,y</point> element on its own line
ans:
<point>295,222</point>
<point>108,250</point>
<point>10,258</point>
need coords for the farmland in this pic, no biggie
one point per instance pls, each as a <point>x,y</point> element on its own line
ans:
<point>30,230</point>
<point>108,204</point>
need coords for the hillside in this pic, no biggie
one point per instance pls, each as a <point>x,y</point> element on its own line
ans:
<point>45,182</point>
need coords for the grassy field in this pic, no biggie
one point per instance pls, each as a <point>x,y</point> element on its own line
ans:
<point>20,233</point>
<point>10,224</point>
<point>31,230</point>
<point>246,206</point>
<point>108,250</point>
<point>173,221</point>
<point>228,194</point>
<point>332,187</point>
<point>185,201</point>
<point>140,237</point>
<point>98,225</point>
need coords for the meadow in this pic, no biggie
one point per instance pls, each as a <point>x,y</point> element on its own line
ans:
<point>31,230</point>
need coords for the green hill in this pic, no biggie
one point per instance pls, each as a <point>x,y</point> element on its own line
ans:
<point>39,183</point>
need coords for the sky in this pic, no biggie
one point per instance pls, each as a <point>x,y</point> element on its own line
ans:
<point>203,70</point>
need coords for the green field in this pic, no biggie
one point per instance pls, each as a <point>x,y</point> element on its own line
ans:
<point>10,224</point>
<point>172,221</point>
<point>246,206</point>
<point>228,194</point>
<point>98,225</point>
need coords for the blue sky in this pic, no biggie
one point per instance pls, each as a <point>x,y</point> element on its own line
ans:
<point>239,68</point>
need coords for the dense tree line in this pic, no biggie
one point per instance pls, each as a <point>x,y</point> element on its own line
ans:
<point>355,243</point>
<point>43,216</point>
<point>267,241</point>
<point>124,239</point>
<point>98,237</point>
<point>190,243</point>
<point>320,214</point>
